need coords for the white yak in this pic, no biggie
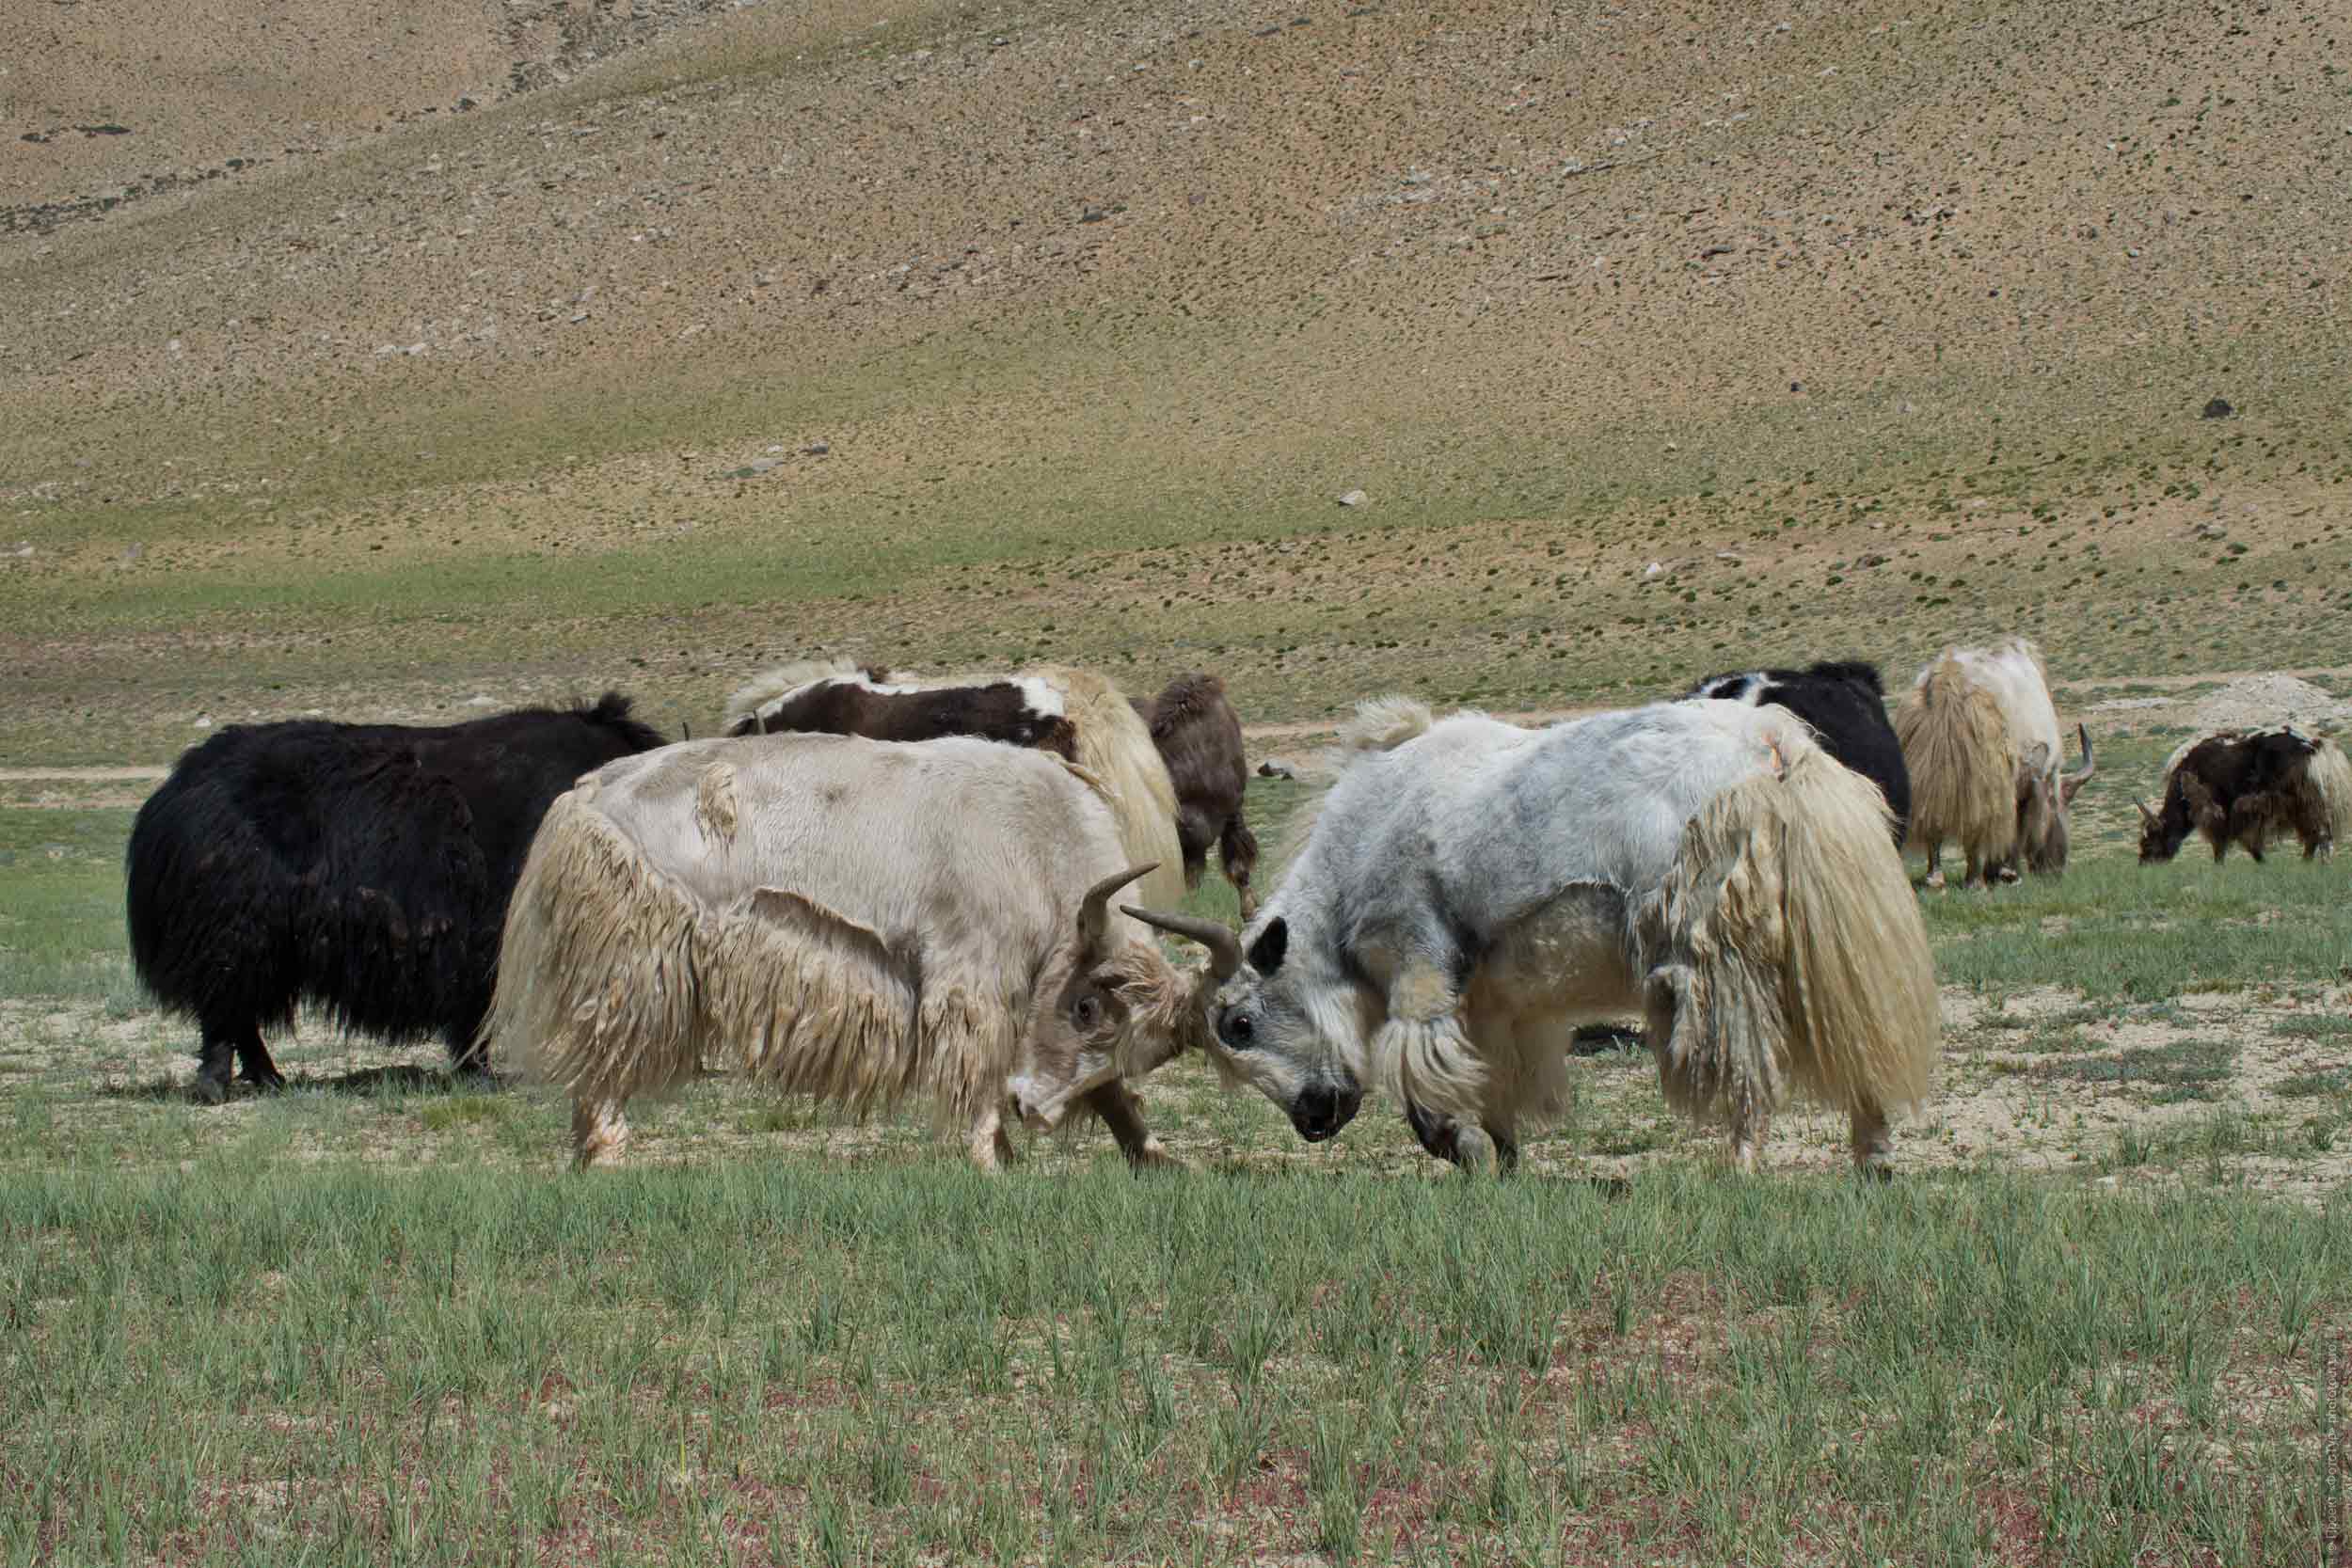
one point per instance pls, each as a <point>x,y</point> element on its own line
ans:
<point>856,920</point>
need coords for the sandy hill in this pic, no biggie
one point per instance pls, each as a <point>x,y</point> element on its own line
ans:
<point>695,310</point>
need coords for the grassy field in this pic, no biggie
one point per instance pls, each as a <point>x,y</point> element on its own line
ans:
<point>373,1319</point>
<point>401,366</point>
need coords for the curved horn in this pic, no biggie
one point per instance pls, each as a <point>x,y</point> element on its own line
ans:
<point>2073,781</point>
<point>2145,814</point>
<point>1094,914</point>
<point>1224,946</point>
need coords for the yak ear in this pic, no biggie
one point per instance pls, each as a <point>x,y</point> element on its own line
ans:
<point>1265,954</point>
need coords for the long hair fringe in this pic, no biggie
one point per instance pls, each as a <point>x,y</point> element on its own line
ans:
<point>1962,762</point>
<point>1115,746</point>
<point>1787,951</point>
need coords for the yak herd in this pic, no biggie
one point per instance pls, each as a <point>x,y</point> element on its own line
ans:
<point>877,886</point>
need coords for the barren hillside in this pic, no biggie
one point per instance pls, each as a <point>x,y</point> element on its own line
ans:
<point>983,332</point>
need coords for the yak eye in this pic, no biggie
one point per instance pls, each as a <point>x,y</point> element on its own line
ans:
<point>1086,1012</point>
<point>1238,1030</point>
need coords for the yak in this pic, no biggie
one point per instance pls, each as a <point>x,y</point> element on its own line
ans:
<point>2247,787</point>
<point>1199,736</point>
<point>849,919</point>
<point>1846,706</point>
<point>1980,738</point>
<point>1075,714</point>
<point>363,867</point>
<point>1469,891</point>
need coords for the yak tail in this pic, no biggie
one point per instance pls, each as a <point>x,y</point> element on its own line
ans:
<point>1384,724</point>
<point>1116,747</point>
<point>768,684</point>
<point>2331,772</point>
<point>595,981</point>
<point>1786,948</point>
<point>1963,763</point>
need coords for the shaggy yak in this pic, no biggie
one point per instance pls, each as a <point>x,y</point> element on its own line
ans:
<point>1847,707</point>
<point>1981,739</point>
<point>2247,787</point>
<point>1073,713</point>
<point>1470,890</point>
<point>1199,736</point>
<point>845,918</point>
<point>365,867</point>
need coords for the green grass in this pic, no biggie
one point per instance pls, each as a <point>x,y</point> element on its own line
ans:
<point>61,910</point>
<point>753,1363</point>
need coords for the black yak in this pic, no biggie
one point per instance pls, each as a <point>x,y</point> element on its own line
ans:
<point>1847,707</point>
<point>1198,735</point>
<point>364,867</point>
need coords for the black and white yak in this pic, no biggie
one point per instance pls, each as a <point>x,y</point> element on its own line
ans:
<point>1075,714</point>
<point>2247,787</point>
<point>1470,891</point>
<point>1198,735</point>
<point>1846,706</point>
<point>1980,738</point>
<point>363,867</point>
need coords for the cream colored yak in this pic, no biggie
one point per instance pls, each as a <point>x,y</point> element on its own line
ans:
<point>1471,890</point>
<point>1980,738</point>
<point>860,921</point>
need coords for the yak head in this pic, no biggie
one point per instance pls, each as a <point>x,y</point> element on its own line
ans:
<point>2162,833</point>
<point>2044,795</point>
<point>1265,1023</point>
<point>1107,1006</point>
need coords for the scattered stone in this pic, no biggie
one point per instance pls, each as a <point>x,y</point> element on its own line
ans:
<point>1733,557</point>
<point>2211,530</point>
<point>817,448</point>
<point>577,317</point>
<point>1653,569</point>
<point>203,721</point>
<point>1354,498</point>
<point>2219,409</point>
<point>481,700</point>
<point>761,465</point>
<point>2132,251</point>
<point>1275,767</point>
<point>1093,214</point>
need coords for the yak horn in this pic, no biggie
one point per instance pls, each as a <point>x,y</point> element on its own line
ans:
<point>2090,763</point>
<point>1223,946</point>
<point>1094,913</point>
<point>2145,814</point>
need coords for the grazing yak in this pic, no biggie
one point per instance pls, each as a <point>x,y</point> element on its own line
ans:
<point>1846,706</point>
<point>844,918</point>
<point>1980,738</point>
<point>364,867</point>
<point>1075,714</point>
<point>1470,890</point>
<point>1199,736</point>
<point>2247,787</point>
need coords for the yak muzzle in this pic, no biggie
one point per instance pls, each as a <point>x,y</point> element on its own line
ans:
<point>1319,1111</point>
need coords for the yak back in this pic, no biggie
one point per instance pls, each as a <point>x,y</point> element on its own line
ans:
<point>993,710</point>
<point>1845,704</point>
<point>364,867</point>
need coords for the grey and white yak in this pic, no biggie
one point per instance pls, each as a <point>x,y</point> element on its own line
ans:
<point>364,868</point>
<point>855,920</point>
<point>1075,714</point>
<point>1470,890</point>
<point>2248,788</point>
<point>1980,738</point>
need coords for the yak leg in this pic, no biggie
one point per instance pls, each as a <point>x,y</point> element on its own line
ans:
<point>1873,1145</point>
<point>986,1142</point>
<point>254,1061</point>
<point>1122,1112</point>
<point>1237,849</point>
<point>1751,1123</point>
<point>212,1062</point>
<point>1935,866</point>
<point>599,1133</point>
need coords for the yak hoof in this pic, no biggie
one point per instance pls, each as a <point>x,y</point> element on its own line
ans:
<point>269,1080</point>
<point>1935,882</point>
<point>207,1091</point>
